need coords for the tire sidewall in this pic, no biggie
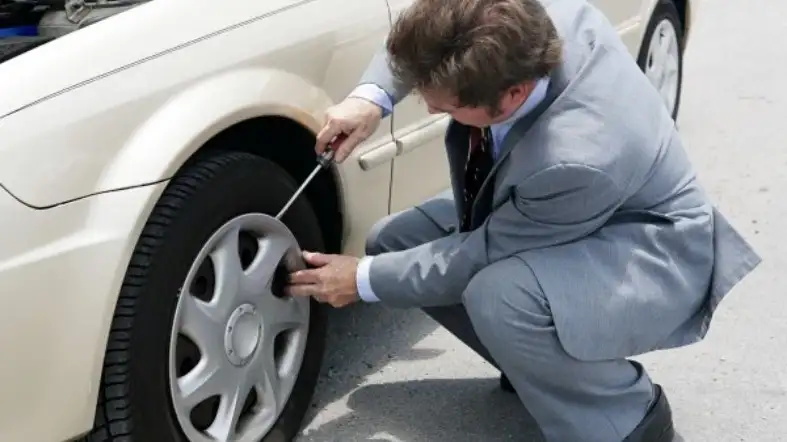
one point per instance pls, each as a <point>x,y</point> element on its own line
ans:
<point>664,10</point>
<point>247,184</point>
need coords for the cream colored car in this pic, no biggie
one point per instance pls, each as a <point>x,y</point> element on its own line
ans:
<point>141,285</point>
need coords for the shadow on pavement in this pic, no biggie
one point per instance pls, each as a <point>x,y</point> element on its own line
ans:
<point>365,338</point>
<point>440,410</point>
<point>361,340</point>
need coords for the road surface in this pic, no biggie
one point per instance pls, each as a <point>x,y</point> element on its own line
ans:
<point>395,376</point>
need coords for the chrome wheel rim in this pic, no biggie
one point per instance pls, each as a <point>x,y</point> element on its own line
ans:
<point>237,344</point>
<point>663,61</point>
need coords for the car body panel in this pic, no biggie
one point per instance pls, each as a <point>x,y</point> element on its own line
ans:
<point>60,271</point>
<point>89,54</point>
<point>629,18</point>
<point>312,56</point>
<point>90,140</point>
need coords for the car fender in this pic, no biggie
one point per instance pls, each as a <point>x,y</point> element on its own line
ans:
<point>158,131</point>
<point>186,121</point>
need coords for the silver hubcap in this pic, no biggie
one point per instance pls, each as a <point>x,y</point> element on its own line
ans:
<point>662,63</point>
<point>237,344</point>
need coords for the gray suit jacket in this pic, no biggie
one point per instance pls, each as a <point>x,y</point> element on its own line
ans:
<point>594,192</point>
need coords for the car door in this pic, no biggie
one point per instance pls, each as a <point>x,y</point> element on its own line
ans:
<point>626,17</point>
<point>355,35</point>
<point>420,170</point>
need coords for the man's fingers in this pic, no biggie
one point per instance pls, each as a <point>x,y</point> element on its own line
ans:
<point>316,259</point>
<point>309,276</point>
<point>330,131</point>
<point>301,290</point>
<point>310,290</point>
<point>346,147</point>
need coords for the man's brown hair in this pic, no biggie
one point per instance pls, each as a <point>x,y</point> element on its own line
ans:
<point>474,50</point>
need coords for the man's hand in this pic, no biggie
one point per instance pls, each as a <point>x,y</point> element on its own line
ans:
<point>354,117</point>
<point>331,281</point>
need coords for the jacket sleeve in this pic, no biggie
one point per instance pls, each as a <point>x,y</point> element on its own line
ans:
<point>379,73</point>
<point>554,206</point>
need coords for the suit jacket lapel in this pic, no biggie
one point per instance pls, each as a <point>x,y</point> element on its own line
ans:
<point>514,136</point>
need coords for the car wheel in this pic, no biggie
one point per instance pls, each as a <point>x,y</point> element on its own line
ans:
<point>204,345</point>
<point>661,54</point>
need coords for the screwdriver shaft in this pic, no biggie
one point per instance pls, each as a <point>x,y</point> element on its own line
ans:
<point>298,192</point>
<point>324,162</point>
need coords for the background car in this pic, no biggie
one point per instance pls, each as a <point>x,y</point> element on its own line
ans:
<point>140,278</point>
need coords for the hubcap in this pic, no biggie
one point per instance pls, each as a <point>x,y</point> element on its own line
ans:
<point>237,343</point>
<point>242,334</point>
<point>661,66</point>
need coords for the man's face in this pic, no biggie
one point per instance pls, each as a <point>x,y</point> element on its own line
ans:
<point>438,102</point>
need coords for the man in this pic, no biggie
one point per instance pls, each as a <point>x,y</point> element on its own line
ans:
<point>576,234</point>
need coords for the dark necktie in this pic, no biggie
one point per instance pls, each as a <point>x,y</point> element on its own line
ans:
<point>479,164</point>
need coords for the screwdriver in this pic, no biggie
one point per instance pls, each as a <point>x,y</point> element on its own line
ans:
<point>324,161</point>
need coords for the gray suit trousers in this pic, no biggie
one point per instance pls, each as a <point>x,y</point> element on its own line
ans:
<point>504,316</point>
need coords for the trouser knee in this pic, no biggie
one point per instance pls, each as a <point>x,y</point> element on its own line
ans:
<point>569,398</point>
<point>400,231</point>
<point>381,239</point>
<point>506,306</point>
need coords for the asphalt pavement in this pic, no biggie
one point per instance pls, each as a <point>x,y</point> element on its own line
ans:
<point>396,376</point>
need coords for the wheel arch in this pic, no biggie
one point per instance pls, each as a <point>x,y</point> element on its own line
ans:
<point>290,145</point>
<point>269,113</point>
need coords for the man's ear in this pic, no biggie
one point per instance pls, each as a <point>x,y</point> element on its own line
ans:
<point>522,90</point>
<point>515,96</point>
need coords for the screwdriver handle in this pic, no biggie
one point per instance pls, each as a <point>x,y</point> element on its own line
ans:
<point>326,157</point>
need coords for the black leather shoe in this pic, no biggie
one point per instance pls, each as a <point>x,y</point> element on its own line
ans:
<point>505,384</point>
<point>657,425</point>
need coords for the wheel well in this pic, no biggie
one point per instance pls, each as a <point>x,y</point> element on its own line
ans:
<point>291,146</point>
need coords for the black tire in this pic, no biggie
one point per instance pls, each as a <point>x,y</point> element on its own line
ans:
<point>134,402</point>
<point>664,10</point>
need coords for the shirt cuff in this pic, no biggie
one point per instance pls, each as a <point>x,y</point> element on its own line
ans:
<point>375,94</point>
<point>363,284</point>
